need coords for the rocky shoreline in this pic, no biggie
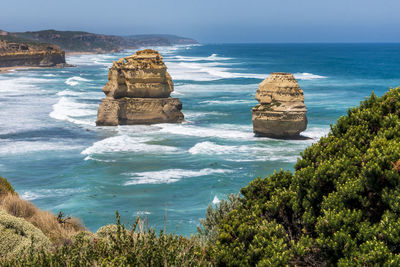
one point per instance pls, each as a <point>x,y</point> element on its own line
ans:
<point>48,48</point>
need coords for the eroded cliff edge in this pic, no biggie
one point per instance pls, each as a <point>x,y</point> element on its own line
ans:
<point>138,92</point>
<point>19,52</point>
<point>79,41</point>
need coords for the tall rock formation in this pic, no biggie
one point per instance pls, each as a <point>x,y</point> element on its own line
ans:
<point>281,112</point>
<point>138,92</point>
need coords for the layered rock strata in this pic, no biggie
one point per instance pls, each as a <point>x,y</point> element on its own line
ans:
<point>138,92</point>
<point>14,54</point>
<point>281,112</point>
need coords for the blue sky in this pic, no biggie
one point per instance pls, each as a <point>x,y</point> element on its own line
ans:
<point>215,21</point>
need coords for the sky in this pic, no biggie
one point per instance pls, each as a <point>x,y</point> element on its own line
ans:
<point>214,21</point>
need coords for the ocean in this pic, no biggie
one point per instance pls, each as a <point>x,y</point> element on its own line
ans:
<point>54,155</point>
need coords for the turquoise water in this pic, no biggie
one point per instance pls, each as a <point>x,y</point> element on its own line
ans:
<point>54,155</point>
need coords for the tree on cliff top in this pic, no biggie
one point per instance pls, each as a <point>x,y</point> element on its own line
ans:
<point>340,206</point>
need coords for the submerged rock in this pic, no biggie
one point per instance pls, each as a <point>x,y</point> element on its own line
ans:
<point>138,92</point>
<point>281,112</point>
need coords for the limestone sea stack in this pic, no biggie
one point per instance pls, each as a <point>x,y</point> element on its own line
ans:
<point>138,92</point>
<point>281,112</point>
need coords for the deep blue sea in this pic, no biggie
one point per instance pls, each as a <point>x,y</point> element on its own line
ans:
<point>55,156</point>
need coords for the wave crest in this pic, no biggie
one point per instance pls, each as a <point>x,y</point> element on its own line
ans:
<point>169,176</point>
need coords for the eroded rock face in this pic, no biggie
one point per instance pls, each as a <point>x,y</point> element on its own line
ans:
<point>281,112</point>
<point>138,92</point>
<point>33,55</point>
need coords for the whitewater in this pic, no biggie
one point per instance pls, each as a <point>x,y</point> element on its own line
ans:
<point>55,156</point>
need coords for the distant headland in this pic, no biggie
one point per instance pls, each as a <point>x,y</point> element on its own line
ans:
<point>47,48</point>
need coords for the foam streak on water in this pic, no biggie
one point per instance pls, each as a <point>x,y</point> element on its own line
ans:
<point>169,176</point>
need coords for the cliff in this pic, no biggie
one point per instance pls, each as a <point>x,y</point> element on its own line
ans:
<point>21,52</point>
<point>159,40</point>
<point>79,41</point>
<point>138,92</point>
<point>281,112</point>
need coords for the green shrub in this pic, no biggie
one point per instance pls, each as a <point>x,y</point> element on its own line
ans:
<point>117,246</point>
<point>341,206</point>
<point>208,229</point>
<point>5,187</point>
<point>18,236</point>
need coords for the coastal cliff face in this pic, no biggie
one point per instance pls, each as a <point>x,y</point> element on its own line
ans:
<point>14,53</point>
<point>281,112</point>
<point>79,41</point>
<point>138,92</point>
<point>144,40</point>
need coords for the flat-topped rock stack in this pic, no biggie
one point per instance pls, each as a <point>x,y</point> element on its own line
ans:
<point>138,92</point>
<point>281,112</point>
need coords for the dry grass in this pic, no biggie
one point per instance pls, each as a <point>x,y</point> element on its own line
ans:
<point>5,187</point>
<point>396,166</point>
<point>48,223</point>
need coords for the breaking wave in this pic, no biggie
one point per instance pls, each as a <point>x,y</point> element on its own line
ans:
<point>220,131</point>
<point>73,81</point>
<point>169,176</point>
<point>124,143</point>
<point>78,113</point>
<point>46,193</point>
<point>12,147</point>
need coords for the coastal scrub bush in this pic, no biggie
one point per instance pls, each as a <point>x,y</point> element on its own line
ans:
<point>117,246</point>
<point>19,236</point>
<point>341,206</point>
<point>47,222</point>
<point>208,229</point>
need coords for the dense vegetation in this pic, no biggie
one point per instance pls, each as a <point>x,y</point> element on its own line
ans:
<point>341,206</point>
<point>117,246</point>
<point>208,229</point>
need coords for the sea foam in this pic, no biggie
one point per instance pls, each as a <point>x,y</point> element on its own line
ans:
<point>12,147</point>
<point>169,176</point>
<point>190,71</point>
<point>230,102</point>
<point>78,113</point>
<point>12,86</point>
<point>216,200</point>
<point>46,193</point>
<point>275,150</point>
<point>212,131</point>
<point>124,143</point>
<point>308,76</point>
<point>212,57</point>
<point>73,81</point>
